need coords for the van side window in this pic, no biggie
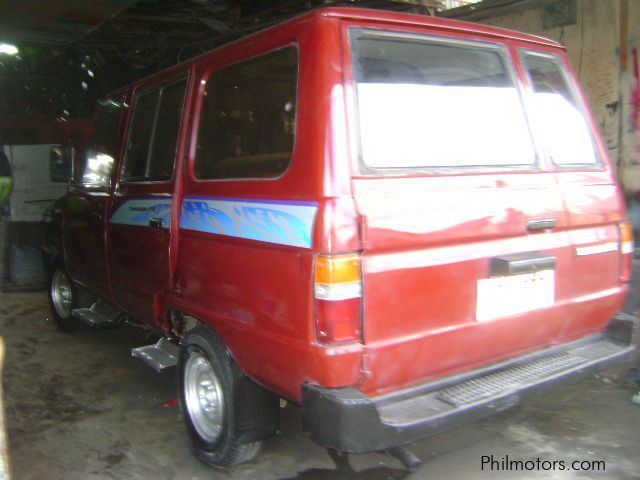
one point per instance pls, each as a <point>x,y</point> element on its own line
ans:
<point>135,163</point>
<point>247,126</point>
<point>101,148</point>
<point>153,135</point>
<point>427,103</point>
<point>561,119</point>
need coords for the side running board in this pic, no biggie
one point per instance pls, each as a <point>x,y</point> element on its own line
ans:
<point>160,356</point>
<point>100,316</point>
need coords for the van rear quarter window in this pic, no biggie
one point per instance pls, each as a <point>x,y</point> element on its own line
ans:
<point>428,103</point>
<point>561,119</point>
<point>247,125</point>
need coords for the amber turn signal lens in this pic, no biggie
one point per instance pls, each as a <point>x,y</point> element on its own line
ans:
<point>334,269</point>
<point>626,251</point>
<point>626,232</point>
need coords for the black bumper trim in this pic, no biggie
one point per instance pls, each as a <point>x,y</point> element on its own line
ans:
<point>350,421</point>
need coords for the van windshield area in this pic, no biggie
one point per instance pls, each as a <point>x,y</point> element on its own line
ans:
<point>430,104</point>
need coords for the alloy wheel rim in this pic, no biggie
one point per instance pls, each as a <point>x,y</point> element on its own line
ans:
<point>61,294</point>
<point>203,397</point>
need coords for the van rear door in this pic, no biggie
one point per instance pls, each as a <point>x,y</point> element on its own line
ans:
<point>466,254</point>
<point>594,204</point>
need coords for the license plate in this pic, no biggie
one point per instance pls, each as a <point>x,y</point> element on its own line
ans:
<point>503,296</point>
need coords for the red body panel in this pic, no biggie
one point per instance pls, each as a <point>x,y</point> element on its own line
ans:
<point>84,238</point>
<point>265,291</point>
<point>425,239</point>
<point>139,257</point>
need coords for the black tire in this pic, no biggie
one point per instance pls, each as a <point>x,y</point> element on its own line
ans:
<point>61,286</point>
<point>225,447</point>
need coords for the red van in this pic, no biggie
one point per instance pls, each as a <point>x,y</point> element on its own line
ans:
<point>400,223</point>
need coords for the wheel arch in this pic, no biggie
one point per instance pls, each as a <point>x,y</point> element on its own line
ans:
<point>257,408</point>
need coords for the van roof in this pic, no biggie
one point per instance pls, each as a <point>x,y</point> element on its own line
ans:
<point>371,15</point>
<point>383,16</point>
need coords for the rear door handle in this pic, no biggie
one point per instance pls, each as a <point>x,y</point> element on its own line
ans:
<point>542,224</point>
<point>156,222</point>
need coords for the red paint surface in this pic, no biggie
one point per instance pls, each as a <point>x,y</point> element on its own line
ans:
<point>425,239</point>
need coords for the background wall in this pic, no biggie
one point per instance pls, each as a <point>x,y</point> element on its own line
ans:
<point>630,85</point>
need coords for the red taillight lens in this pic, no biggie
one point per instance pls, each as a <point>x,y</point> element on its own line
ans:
<point>338,321</point>
<point>626,251</point>
<point>338,293</point>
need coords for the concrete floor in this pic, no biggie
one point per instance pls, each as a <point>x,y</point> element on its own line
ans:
<point>79,407</point>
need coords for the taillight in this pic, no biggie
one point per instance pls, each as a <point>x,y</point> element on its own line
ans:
<point>626,251</point>
<point>338,293</point>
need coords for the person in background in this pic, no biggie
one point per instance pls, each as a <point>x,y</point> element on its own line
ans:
<point>6,181</point>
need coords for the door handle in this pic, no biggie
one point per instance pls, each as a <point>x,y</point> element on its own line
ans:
<point>542,224</point>
<point>97,216</point>
<point>156,222</point>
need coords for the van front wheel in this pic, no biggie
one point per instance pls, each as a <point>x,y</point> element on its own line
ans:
<point>62,299</point>
<point>207,377</point>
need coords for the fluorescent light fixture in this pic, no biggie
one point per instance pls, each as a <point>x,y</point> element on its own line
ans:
<point>8,49</point>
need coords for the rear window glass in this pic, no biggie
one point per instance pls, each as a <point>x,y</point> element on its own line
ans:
<point>425,103</point>
<point>561,119</point>
<point>247,125</point>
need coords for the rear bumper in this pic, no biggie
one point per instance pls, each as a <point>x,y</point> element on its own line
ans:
<point>348,420</point>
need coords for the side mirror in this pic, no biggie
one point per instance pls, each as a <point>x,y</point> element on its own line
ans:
<point>61,163</point>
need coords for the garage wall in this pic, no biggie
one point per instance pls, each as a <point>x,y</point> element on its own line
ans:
<point>631,103</point>
<point>603,42</point>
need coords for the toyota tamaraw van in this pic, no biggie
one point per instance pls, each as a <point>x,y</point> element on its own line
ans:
<point>399,223</point>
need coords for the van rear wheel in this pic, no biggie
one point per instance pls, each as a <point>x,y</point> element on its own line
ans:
<point>62,299</point>
<point>207,380</point>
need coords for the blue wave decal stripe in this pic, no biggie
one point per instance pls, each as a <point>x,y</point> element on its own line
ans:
<point>139,211</point>
<point>284,223</point>
<point>280,222</point>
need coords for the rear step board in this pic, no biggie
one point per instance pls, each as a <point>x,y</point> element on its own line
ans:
<point>100,315</point>
<point>496,386</point>
<point>489,385</point>
<point>160,356</point>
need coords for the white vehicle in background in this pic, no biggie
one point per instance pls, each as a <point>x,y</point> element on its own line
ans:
<point>35,186</point>
<point>39,176</point>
